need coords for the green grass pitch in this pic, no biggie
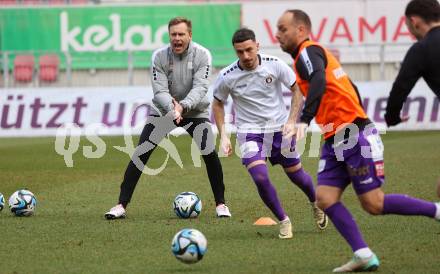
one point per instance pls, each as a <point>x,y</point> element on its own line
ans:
<point>68,233</point>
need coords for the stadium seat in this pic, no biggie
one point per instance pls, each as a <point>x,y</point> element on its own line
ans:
<point>56,2</point>
<point>48,67</point>
<point>23,68</point>
<point>8,2</point>
<point>79,2</point>
<point>31,2</point>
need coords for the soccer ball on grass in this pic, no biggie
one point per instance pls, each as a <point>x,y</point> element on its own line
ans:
<point>187,205</point>
<point>189,245</point>
<point>22,203</point>
<point>2,202</point>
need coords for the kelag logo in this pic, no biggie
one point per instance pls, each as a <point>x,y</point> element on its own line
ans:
<point>98,37</point>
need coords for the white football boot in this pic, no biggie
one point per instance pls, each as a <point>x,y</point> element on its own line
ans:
<point>358,264</point>
<point>116,212</point>
<point>321,218</point>
<point>285,229</point>
<point>222,211</point>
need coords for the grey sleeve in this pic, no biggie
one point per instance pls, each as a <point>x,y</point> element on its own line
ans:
<point>162,98</point>
<point>202,70</point>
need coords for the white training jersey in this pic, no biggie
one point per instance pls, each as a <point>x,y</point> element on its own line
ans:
<point>257,94</point>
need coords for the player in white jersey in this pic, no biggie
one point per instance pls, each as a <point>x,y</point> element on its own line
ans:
<point>264,126</point>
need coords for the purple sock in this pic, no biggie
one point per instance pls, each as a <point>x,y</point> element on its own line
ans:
<point>266,190</point>
<point>405,205</point>
<point>346,225</point>
<point>304,181</point>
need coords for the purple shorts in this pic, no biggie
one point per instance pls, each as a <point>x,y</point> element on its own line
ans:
<point>261,146</point>
<point>359,160</point>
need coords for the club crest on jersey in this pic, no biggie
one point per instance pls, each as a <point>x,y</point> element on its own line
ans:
<point>269,79</point>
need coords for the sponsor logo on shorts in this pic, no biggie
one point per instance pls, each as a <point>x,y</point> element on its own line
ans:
<point>380,170</point>
<point>358,171</point>
<point>367,181</point>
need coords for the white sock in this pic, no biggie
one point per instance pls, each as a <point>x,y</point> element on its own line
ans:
<point>437,212</point>
<point>285,221</point>
<point>364,253</point>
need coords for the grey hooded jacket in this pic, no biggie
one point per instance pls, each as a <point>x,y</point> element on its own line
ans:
<point>184,77</point>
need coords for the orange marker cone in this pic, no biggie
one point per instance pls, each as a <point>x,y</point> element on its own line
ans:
<point>265,221</point>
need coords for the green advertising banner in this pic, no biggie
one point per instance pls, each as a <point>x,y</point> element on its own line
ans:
<point>102,37</point>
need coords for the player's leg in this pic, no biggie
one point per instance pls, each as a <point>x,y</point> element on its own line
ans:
<point>284,153</point>
<point>153,132</point>
<point>251,146</point>
<point>364,259</point>
<point>304,181</point>
<point>201,131</point>
<point>259,173</point>
<point>328,198</point>
<point>333,178</point>
<point>376,202</point>
<point>367,173</point>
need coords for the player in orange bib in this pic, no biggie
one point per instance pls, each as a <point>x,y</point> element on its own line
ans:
<point>352,151</point>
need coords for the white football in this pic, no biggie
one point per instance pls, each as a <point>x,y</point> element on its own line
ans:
<point>187,205</point>
<point>189,245</point>
<point>2,202</point>
<point>22,203</point>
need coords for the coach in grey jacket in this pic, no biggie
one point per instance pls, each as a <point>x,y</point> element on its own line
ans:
<point>180,73</point>
<point>183,77</point>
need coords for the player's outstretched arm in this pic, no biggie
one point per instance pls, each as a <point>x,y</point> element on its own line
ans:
<point>219,116</point>
<point>289,129</point>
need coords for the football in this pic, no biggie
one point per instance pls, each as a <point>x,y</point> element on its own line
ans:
<point>2,202</point>
<point>187,205</point>
<point>189,245</point>
<point>22,203</point>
